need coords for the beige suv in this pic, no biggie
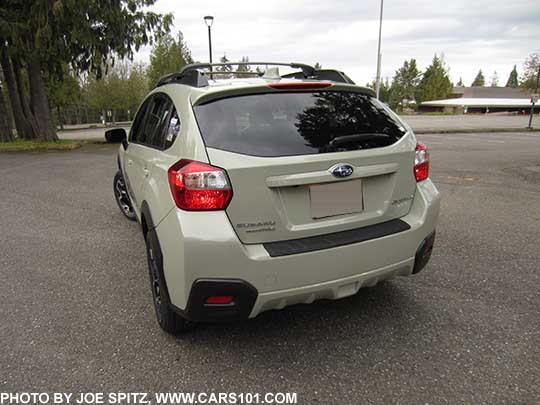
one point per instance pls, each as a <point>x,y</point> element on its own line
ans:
<point>255,193</point>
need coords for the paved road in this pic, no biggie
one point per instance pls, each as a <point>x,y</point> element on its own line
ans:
<point>421,123</point>
<point>476,121</point>
<point>76,309</point>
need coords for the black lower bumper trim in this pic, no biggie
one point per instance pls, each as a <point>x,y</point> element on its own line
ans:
<point>423,253</point>
<point>198,310</point>
<point>331,240</point>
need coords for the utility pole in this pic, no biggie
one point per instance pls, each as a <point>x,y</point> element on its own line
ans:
<point>533,98</point>
<point>379,56</point>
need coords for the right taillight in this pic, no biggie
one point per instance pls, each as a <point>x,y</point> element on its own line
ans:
<point>198,186</point>
<point>421,162</point>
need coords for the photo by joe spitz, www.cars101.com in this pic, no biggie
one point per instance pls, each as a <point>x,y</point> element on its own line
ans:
<point>255,193</point>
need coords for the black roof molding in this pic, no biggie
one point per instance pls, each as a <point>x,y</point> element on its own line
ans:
<point>193,74</point>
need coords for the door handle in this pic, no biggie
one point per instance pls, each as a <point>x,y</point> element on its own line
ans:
<point>146,172</point>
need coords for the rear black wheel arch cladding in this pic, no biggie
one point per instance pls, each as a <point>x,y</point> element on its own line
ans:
<point>150,235</point>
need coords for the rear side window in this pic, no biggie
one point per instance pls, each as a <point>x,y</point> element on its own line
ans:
<point>157,124</point>
<point>285,124</point>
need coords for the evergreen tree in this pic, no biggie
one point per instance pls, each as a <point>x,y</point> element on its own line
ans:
<point>495,79</point>
<point>460,83</point>
<point>168,55</point>
<point>405,83</point>
<point>317,66</point>
<point>479,80</point>
<point>225,68</point>
<point>245,68</point>
<point>531,69</point>
<point>513,78</point>
<point>435,83</point>
<point>38,37</point>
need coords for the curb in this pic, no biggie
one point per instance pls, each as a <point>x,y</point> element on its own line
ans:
<point>43,148</point>
<point>96,126</point>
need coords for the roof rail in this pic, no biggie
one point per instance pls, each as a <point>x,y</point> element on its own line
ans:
<point>191,75</point>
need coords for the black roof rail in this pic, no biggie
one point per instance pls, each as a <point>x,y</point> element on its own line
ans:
<point>192,75</point>
<point>307,70</point>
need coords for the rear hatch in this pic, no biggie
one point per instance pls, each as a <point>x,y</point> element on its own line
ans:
<point>308,162</point>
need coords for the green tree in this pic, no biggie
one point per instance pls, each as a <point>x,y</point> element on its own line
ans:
<point>63,92</point>
<point>225,68</point>
<point>168,55</point>
<point>122,88</point>
<point>531,70</point>
<point>405,83</point>
<point>38,37</point>
<point>384,90</point>
<point>460,83</point>
<point>435,83</point>
<point>245,68</point>
<point>479,80</point>
<point>135,88</point>
<point>513,80</point>
<point>317,66</point>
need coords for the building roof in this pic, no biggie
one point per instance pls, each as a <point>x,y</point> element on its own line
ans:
<point>490,92</point>
<point>479,102</point>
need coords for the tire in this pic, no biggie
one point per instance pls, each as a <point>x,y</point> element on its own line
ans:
<point>122,198</point>
<point>167,319</point>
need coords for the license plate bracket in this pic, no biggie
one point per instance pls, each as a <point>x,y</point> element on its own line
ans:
<point>338,198</point>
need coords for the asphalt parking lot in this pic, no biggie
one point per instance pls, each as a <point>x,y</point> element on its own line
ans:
<point>76,312</point>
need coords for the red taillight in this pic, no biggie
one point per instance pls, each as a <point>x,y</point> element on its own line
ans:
<point>220,299</point>
<point>421,162</point>
<point>197,186</point>
<point>300,85</point>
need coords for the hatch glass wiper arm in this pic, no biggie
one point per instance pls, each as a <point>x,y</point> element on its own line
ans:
<point>356,137</point>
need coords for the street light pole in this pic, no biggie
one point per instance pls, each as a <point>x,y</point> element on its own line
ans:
<point>379,56</point>
<point>533,100</point>
<point>209,20</point>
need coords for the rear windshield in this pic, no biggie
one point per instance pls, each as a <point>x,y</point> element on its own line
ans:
<point>285,124</point>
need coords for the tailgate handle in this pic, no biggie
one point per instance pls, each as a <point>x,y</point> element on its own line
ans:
<point>325,176</point>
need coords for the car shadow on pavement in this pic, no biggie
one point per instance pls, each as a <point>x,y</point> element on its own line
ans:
<point>373,312</point>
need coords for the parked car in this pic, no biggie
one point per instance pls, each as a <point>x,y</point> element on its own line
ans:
<point>255,193</point>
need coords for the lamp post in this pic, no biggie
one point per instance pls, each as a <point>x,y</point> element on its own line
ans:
<point>209,20</point>
<point>379,56</point>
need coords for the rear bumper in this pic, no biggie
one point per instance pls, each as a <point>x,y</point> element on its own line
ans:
<point>191,254</point>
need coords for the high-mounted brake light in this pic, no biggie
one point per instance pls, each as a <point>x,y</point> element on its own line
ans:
<point>198,186</point>
<point>300,85</point>
<point>421,162</point>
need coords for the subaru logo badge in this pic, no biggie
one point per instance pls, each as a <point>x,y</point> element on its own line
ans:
<point>341,170</point>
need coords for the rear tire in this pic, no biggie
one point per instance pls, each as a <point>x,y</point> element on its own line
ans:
<point>122,198</point>
<point>167,319</point>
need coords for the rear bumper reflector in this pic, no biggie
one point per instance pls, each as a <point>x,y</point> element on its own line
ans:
<point>332,240</point>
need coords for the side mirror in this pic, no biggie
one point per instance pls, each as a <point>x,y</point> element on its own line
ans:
<point>117,135</point>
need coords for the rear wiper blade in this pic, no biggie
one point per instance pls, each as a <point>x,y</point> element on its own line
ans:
<point>356,137</point>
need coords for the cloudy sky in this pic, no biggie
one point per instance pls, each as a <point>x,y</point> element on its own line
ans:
<point>489,35</point>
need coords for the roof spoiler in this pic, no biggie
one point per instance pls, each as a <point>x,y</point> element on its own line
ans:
<point>193,74</point>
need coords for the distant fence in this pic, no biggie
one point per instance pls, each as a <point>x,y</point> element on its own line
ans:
<point>80,114</point>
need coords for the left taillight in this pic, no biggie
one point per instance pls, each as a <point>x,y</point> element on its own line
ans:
<point>198,186</point>
<point>421,162</point>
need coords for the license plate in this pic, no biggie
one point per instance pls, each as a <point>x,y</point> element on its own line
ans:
<point>344,197</point>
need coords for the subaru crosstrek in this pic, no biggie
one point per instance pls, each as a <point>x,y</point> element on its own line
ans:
<point>255,193</point>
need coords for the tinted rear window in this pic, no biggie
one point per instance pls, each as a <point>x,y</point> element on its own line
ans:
<point>284,124</point>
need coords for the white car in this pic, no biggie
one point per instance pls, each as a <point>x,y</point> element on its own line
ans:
<point>255,193</point>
